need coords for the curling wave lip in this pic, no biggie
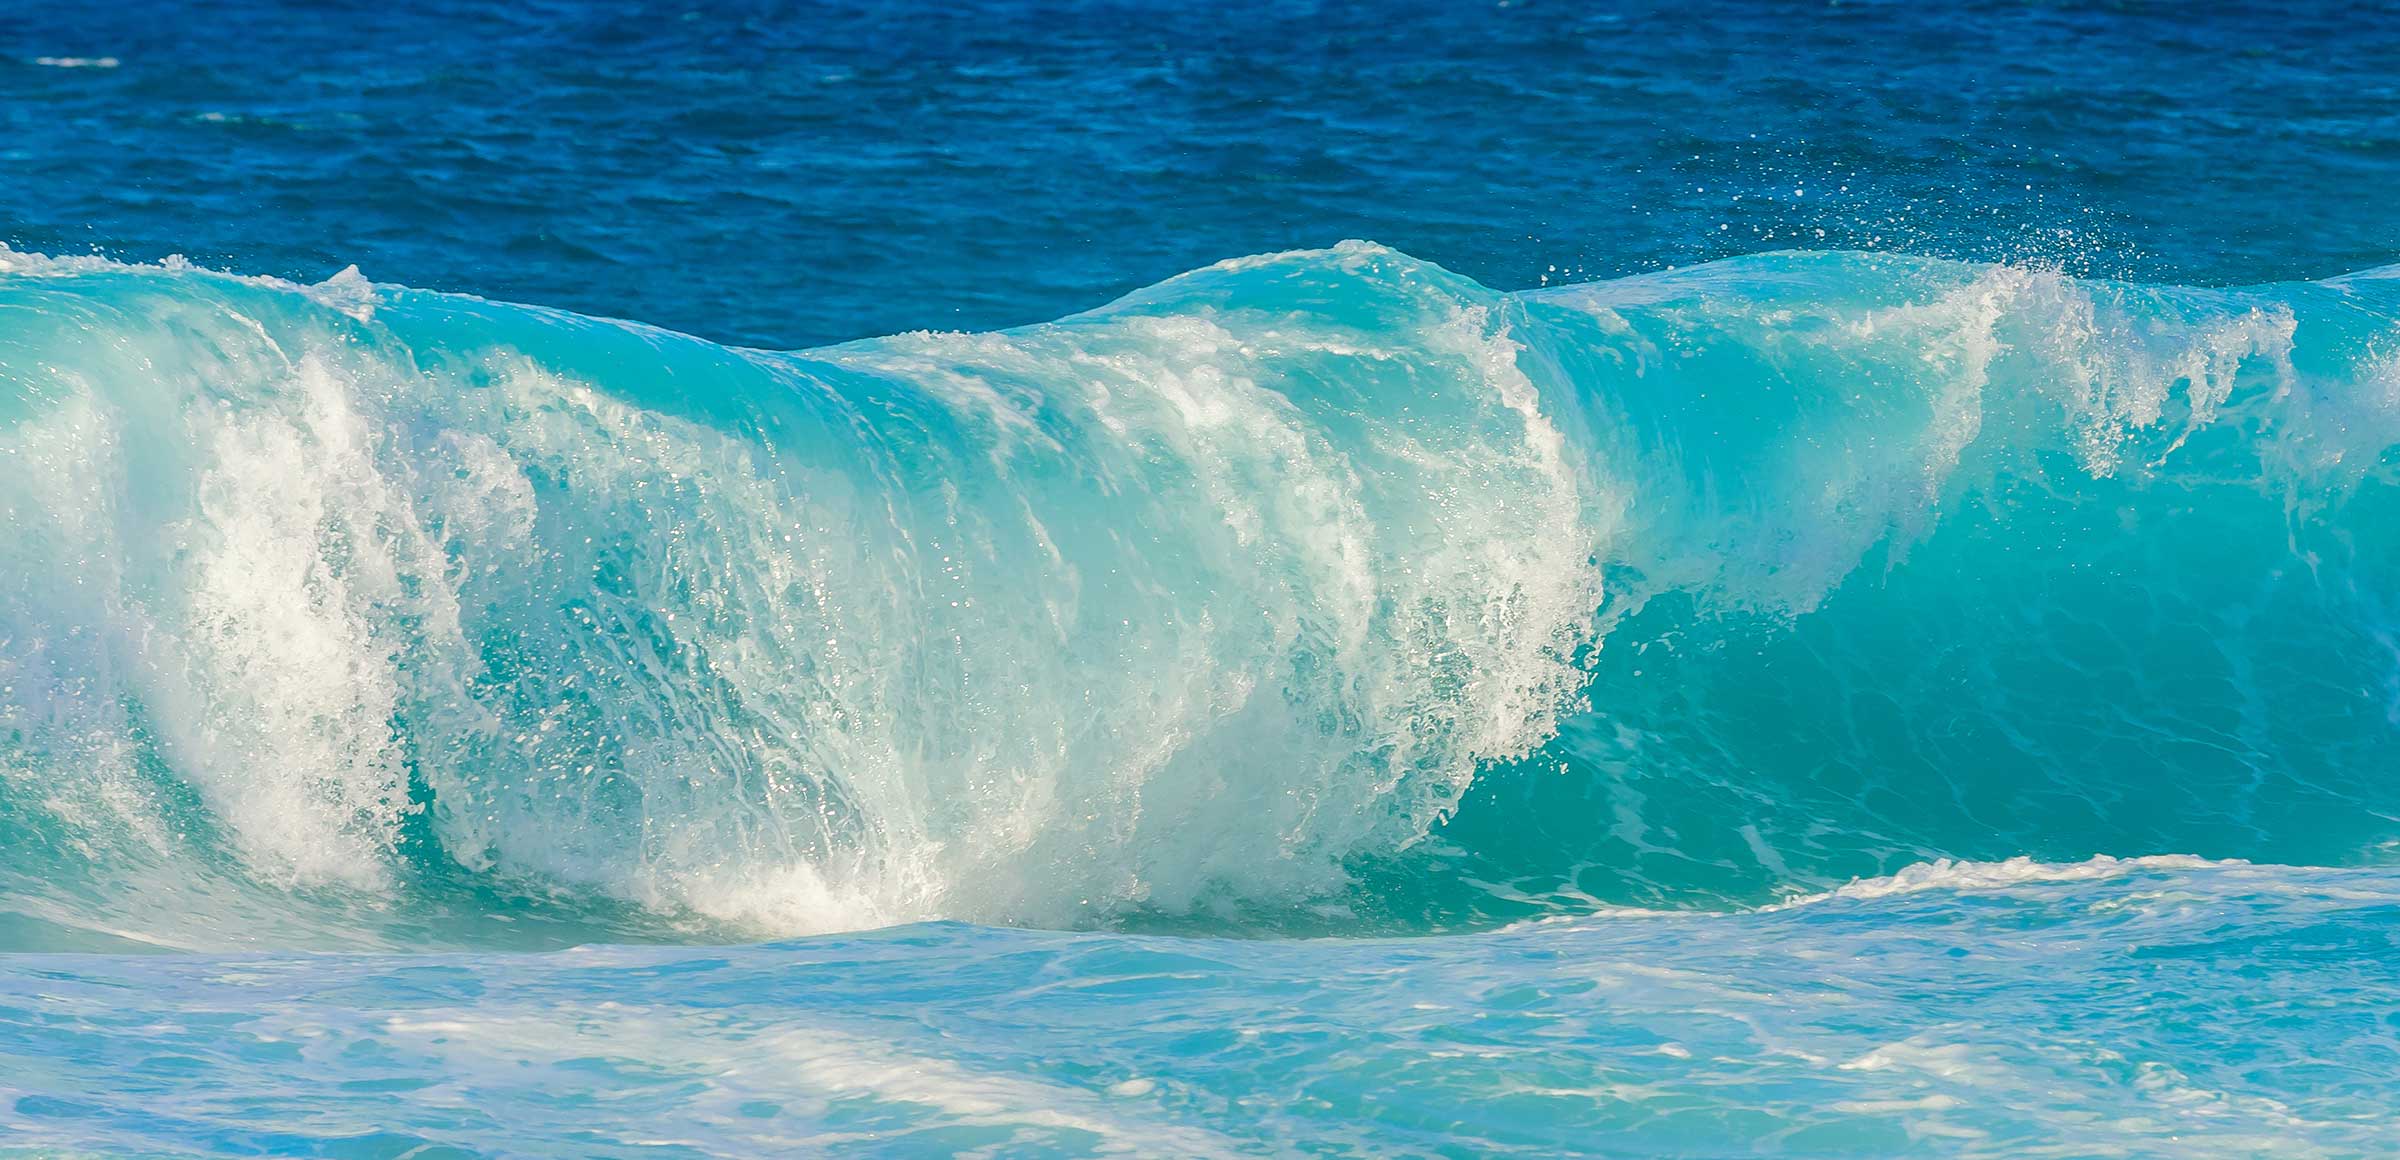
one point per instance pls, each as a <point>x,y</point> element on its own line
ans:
<point>1275,596</point>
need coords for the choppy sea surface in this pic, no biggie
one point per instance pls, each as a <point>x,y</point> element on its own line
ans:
<point>1827,583</point>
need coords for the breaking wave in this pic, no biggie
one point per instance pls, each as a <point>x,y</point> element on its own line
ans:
<point>1326,588</point>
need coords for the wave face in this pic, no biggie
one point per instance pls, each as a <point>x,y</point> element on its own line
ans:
<point>1323,585</point>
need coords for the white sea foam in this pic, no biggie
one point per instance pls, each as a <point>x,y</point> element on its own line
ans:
<point>1968,877</point>
<point>812,1068</point>
<point>1940,874</point>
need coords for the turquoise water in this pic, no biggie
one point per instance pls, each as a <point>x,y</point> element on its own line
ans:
<point>1581,676</point>
<point>2181,1010</point>
<point>1520,655</point>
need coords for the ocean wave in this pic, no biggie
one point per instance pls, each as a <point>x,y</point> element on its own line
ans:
<point>1327,581</point>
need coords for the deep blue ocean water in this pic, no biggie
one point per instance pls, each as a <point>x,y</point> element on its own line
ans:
<point>1453,580</point>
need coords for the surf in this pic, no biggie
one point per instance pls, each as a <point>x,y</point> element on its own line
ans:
<point>1324,590</point>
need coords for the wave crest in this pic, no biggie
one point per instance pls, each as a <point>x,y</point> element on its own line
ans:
<point>1225,594</point>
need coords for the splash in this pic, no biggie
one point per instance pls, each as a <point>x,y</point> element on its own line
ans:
<point>1305,581</point>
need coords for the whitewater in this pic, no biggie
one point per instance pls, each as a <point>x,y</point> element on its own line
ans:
<point>1854,702</point>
